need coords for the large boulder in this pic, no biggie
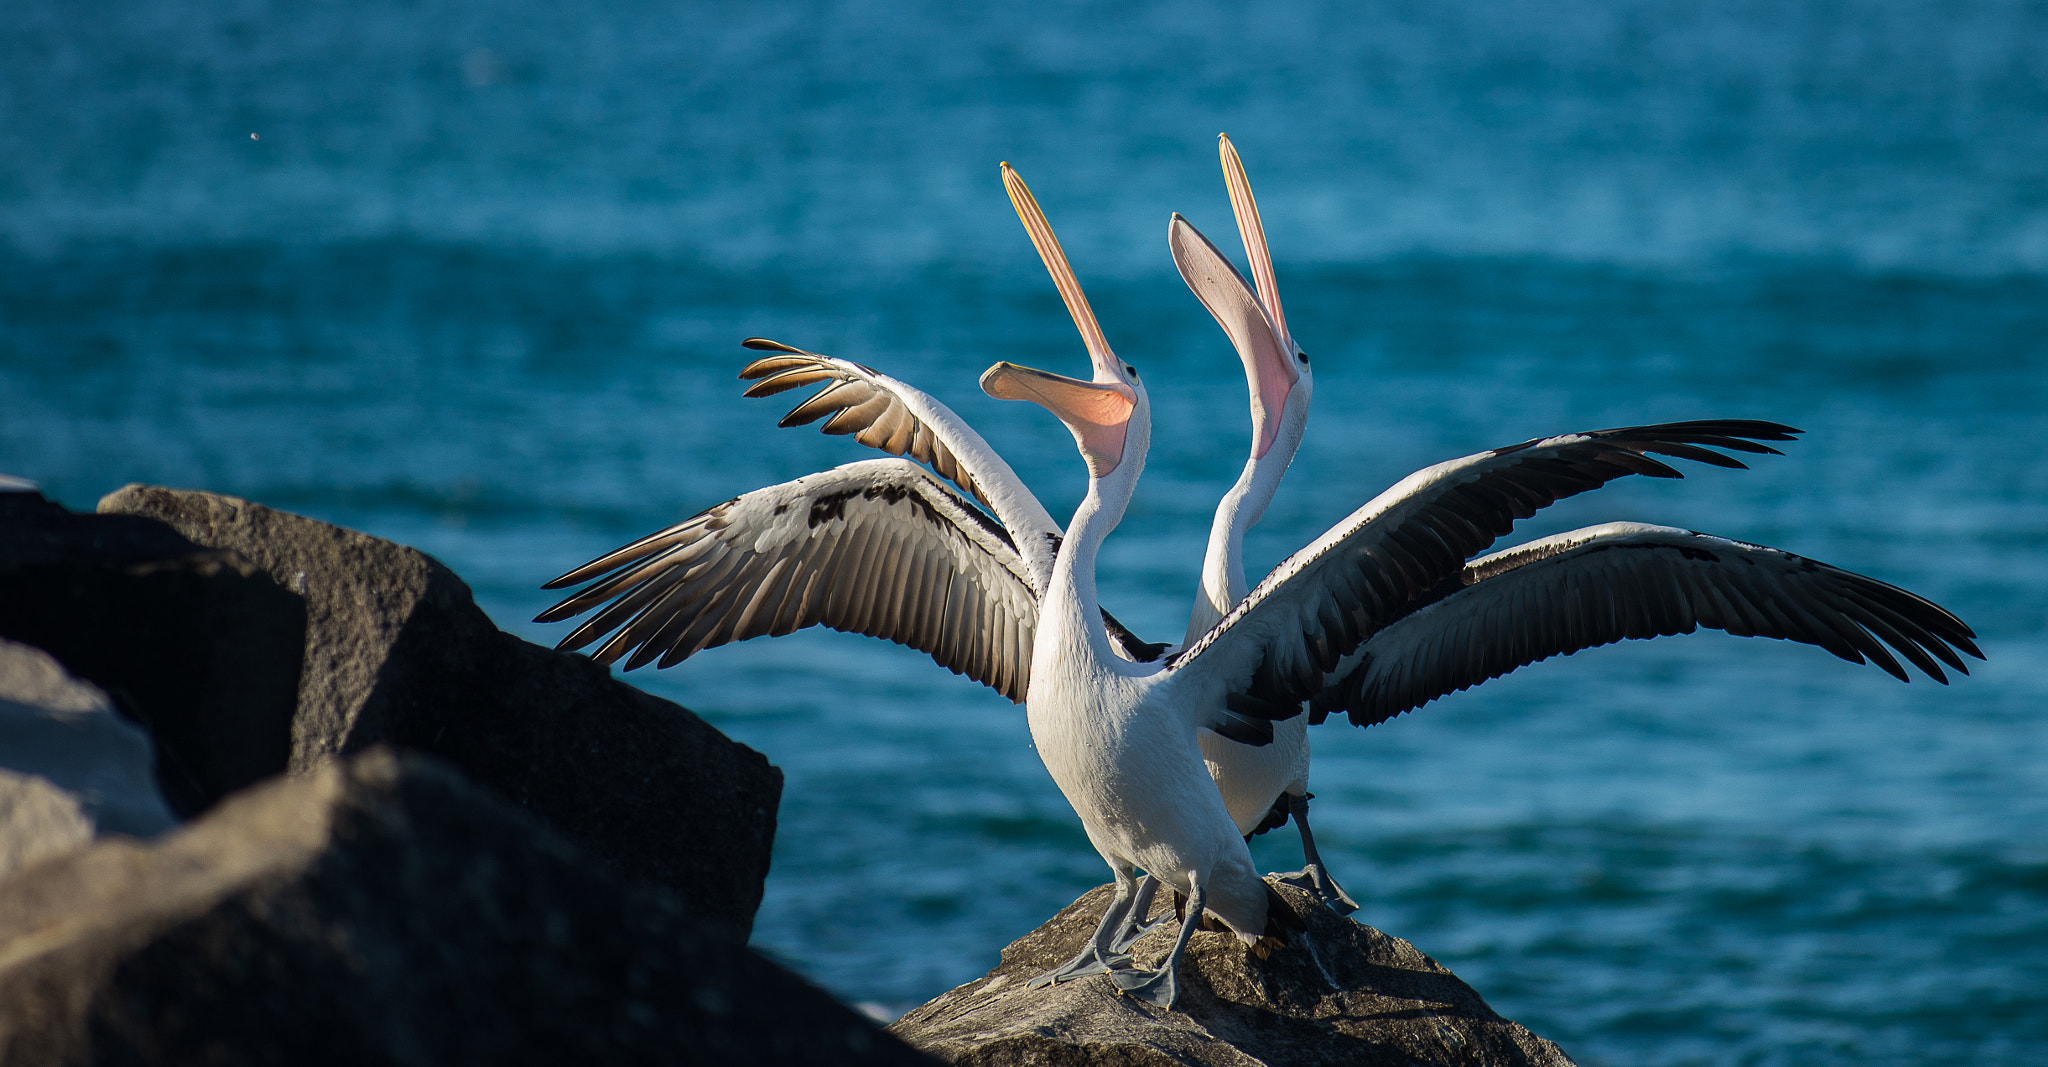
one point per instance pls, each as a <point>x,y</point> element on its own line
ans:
<point>195,643</point>
<point>1343,993</point>
<point>70,767</point>
<point>397,652</point>
<point>381,910</point>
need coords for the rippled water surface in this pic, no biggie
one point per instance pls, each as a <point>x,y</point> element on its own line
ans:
<point>475,283</point>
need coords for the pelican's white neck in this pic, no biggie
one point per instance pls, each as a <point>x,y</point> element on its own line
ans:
<point>1072,604</point>
<point>1223,583</point>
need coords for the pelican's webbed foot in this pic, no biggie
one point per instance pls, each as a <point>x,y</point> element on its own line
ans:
<point>1100,955</point>
<point>1160,988</point>
<point>1081,966</point>
<point>1318,881</point>
<point>1312,876</point>
<point>1157,988</point>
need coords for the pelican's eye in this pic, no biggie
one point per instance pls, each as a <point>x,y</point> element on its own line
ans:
<point>1302,356</point>
<point>1130,370</point>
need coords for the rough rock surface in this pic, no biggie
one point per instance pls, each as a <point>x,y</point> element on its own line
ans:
<point>1343,994</point>
<point>37,820</point>
<point>383,910</point>
<point>397,652</point>
<point>70,767</point>
<point>194,643</point>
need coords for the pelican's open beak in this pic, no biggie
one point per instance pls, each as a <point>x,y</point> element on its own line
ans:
<point>1108,368</point>
<point>1096,413</point>
<point>1269,367</point>
<point>1251,231</point>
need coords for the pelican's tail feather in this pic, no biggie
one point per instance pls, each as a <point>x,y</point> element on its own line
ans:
<point>1282,924</point>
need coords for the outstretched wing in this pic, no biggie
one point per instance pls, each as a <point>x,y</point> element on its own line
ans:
<point>878,547</point>
<point>884,413</point>
<point>1273,650</point>
<point>902,420</point>
<point>879,411</point>
<point>1625,580</point>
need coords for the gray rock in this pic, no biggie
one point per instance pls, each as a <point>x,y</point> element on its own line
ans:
<point>382,910</point>
<point>73,768</point>
<point>196,644</point>
<point>397,652</point>
<point>37,820</point>
<point>1344,993</point>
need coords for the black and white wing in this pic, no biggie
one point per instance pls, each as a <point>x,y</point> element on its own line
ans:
<point>902,420</point>
<point>1274,649</point>
<point>1626,580</point>
<point>877,410</point>
<point>878,547</point>
<point>885,413</point>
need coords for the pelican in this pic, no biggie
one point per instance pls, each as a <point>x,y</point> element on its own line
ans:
<point>885,548</point>
<point>1122,749</point>
<point>1261,785</point>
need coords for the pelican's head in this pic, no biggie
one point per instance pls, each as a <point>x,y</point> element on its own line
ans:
<point>1276,369</point>
<point>1109,415</point>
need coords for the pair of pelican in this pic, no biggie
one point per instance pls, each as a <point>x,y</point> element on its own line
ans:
<point>1174,755</point>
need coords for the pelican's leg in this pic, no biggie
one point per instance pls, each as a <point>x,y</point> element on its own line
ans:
<point>1100,954</point>
<point>1159,988</point>
<point>1312,876</point>
<point>1135,925</point>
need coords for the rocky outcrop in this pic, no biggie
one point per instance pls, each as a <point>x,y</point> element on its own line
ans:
<point>1343,993</point>
<point>395,651</point>
<point>70,767</point>
<point>381,910</point>
<point>196,644</point>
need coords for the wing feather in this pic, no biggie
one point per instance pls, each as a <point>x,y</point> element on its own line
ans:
<point>858,399</point>
<point>1645,581</point>
<point>879,547</point>
<point>1404,543</point>
<point>894,417</point>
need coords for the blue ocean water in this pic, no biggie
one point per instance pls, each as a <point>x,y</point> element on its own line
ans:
<point>472,277</point>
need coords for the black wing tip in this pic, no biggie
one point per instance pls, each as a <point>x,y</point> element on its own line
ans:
<point>1754,429</point>
<point>763,344</point>
<point>574,643</point>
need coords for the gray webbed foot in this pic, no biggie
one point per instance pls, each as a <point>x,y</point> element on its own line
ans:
<point>1311,876</point>
<point>1099,955</point>
<point>1157,988</point>
<point>1318,881</point>
<point>1081,966</point>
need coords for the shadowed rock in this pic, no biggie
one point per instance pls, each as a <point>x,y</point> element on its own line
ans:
<point>397,652</point>
<point>383,910</point>
<point>1344,993</point>
<point>196,644</point>
<point>70,767</point>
